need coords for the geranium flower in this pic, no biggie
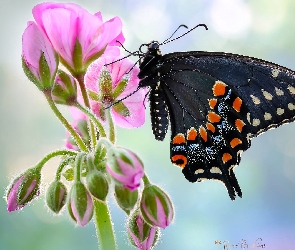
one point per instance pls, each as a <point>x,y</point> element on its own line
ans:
<point>78,36</point>
<point>112,84</point>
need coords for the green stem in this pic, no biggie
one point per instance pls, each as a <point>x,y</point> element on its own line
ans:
<point>61,167</point>
<point>78,163</point>
<point>71,130</point>
<point>93,118</point>
<point>64,152</point>
<point>80,79</point>
<point>104,227</point>
<point>112,134</point>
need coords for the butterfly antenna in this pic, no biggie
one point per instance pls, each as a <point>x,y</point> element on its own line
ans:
<point>180,26</point>
<point>124,47</point>
<point>168,41</point>
<point>116,102</point>
<point>136,53</point>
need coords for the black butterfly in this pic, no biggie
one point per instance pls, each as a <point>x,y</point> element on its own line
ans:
<point>216,103</point>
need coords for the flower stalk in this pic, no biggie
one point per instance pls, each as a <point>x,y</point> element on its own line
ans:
<point>66,124</point>
<point>104,227</point>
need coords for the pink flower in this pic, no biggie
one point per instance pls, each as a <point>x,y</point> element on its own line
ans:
<point>80,204</point>
<point>112,83</point>
<point>78,36</point>
<point>142,235</point>
<point>40,61</point>
<point>23,189</point>
<point>125,167</point>
<point>156,207</point>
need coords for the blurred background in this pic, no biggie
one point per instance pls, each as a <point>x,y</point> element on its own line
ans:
<point>204,212</point>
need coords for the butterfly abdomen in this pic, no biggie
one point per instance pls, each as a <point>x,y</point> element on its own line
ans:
<point>159,113</point>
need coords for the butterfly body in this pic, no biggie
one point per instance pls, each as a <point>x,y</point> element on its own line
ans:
<point>215,102</point>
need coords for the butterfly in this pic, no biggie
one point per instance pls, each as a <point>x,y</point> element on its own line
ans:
<point>215,103</point>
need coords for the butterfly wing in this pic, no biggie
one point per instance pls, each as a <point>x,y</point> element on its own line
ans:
<point>217,102</point>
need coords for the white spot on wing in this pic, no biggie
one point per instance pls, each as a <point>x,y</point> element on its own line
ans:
<point>248,117</point>
<point>267,95</point>
<point>280,111</point>
<point>275,73</point>
<point>291,89</point>
<point>267,116</point>
<point>279,92</point>
<point>255,99</point>
<point>291,106</point>
<point>215,170</point>
<point>256,122</point>
<point>199,171</point>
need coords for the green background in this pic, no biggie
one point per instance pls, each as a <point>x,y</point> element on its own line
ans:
<point>204,213</point>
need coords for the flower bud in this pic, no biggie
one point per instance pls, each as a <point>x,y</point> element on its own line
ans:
<point>125,167</point>
<point>56,196</point>
<point>97,184</point>
<point>156,207</point>
<point>125,198</point>
<point>80,125</point>
<point>65,89</point>
<point>23,189</point>
<point>80,204</point>
<point>141,234</point>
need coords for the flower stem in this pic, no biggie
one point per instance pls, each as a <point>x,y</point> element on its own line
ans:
<point>104,227</point>
<point>65,152</point>
<point>80,79</point>
<point>61,167</point>
<point>93,118</point>
<point>78,162</point>
<point>112,135</point>
<point>71,130</point>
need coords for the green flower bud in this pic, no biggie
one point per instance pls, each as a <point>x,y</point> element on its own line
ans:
<point>56,196</point>
<point>80,204</point>
<point>141,234</point>
<point>125,198</point>
<point>156,207</point>
<point>97,184</point>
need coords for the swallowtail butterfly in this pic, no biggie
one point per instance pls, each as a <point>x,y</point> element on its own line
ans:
<point>216,103</point>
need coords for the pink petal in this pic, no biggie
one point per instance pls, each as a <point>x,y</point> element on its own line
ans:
<point>12,203</point>
<point>34,43</point>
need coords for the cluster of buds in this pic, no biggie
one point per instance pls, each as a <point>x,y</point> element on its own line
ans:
<point>96,87</point>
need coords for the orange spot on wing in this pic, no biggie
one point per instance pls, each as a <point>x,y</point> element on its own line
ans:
<point>235,142</point>
<point>237,104</point>
<point>213,117</point>
<point>178,139</point>
<point>226,157</point>
<point>239,125</point>
<point>210,127</point>
<point>203,133</point>
<point>212,103</point>
<point>219,88</point>
<point>179,160</point>
<point>192,134</point>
